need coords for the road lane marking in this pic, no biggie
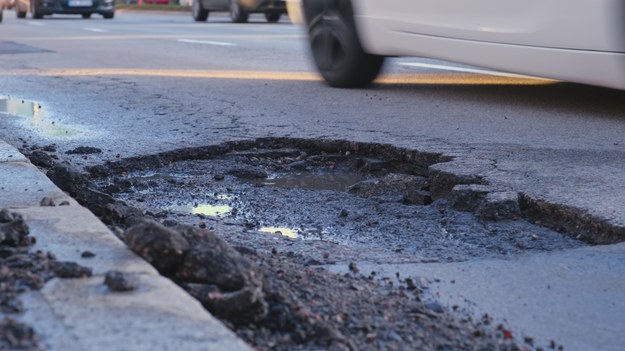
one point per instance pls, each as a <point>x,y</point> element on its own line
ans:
<point>206,42</point>
<point>165,73</point>
<point>391,79</point>
<point>163,36</point>
<point>97,30</point>
<point>33,23</point>
<point>465,70</point>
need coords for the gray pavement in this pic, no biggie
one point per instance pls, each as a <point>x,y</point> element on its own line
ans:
<point>574,297</point>
<point>82,314</point>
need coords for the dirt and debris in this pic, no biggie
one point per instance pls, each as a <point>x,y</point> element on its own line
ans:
<point>22,270</point>
<point>84,150</point>
<point>276,304</point>
<point>204,264</point>
<point>17,336</point>
<point>247,228</point>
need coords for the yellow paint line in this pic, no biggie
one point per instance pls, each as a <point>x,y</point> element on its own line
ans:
<point>414,79</point>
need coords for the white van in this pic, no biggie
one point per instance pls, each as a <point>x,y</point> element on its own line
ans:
<point>580,41</point>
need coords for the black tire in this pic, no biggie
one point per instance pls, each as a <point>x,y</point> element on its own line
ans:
<point>273,16</point>
<point>35,10</point>
<point>338,53</point>
<point>237,13</point>
<point>198,12</point>
<point>18,12</point>
<point>1,15</point>
<point>108,15</point>
<point>86,15</point>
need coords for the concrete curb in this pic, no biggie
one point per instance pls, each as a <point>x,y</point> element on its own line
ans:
<point>83,314</point>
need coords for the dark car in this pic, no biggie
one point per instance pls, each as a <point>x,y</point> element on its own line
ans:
<point>40,8</point>
<point>239,9</point>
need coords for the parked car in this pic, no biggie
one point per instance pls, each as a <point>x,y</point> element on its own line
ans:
<point>86,8</point>
<point>580,41</point>
<point>239,9</point>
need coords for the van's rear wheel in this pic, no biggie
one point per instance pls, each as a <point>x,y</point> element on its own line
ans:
<point>198,12</point>
<point>338,53</point>
<point>35,10</point>
<point>273,16</point>
<point>237,13</point>
<point>19,12</point>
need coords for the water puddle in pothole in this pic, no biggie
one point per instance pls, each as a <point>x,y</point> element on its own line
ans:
<point>34,116</point>
<point>208,210</point>
<point>320,180</point>
<point>287,232</point>
<point>293,233</point>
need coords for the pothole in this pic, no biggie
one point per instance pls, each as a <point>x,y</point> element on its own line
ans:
<point>366,201</point>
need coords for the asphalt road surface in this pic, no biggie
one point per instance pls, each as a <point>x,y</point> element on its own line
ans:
<point>144,83</point>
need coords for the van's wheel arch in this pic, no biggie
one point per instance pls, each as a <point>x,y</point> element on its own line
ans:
<point>335,45</point>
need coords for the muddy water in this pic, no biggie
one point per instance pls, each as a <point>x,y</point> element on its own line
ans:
<point>318,217</point>
<point>32,115</point>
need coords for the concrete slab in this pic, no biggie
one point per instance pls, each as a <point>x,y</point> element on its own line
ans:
<point>10,154</point>
<point>574,297</point>
<point>82,314</point>
<point>68,231</point>
<point>23,185</point>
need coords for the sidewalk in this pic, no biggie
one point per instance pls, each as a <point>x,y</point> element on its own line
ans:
<point>83,314</point>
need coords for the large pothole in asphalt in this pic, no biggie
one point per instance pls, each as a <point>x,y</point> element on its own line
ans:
<point>333,201</point>
<point>246,228</point>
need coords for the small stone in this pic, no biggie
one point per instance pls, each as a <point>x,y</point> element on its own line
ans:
<point>70,270</point>
<point>87,254</point>
<point>47,202</point>
<point>219,177</point>
<point>64,203</point>
<point>352,267</point>
<point>344,213</point>
<point>120,281</point>
<point>312,262</point>
<point>435,307</point>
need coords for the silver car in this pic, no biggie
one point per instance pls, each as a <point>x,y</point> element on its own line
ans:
<point>572,40</point>
<point>239,9</point>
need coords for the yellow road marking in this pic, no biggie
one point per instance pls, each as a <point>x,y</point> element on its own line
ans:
<point>414,79</point>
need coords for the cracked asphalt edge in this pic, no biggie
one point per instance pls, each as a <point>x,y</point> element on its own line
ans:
<point>83,314</point>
